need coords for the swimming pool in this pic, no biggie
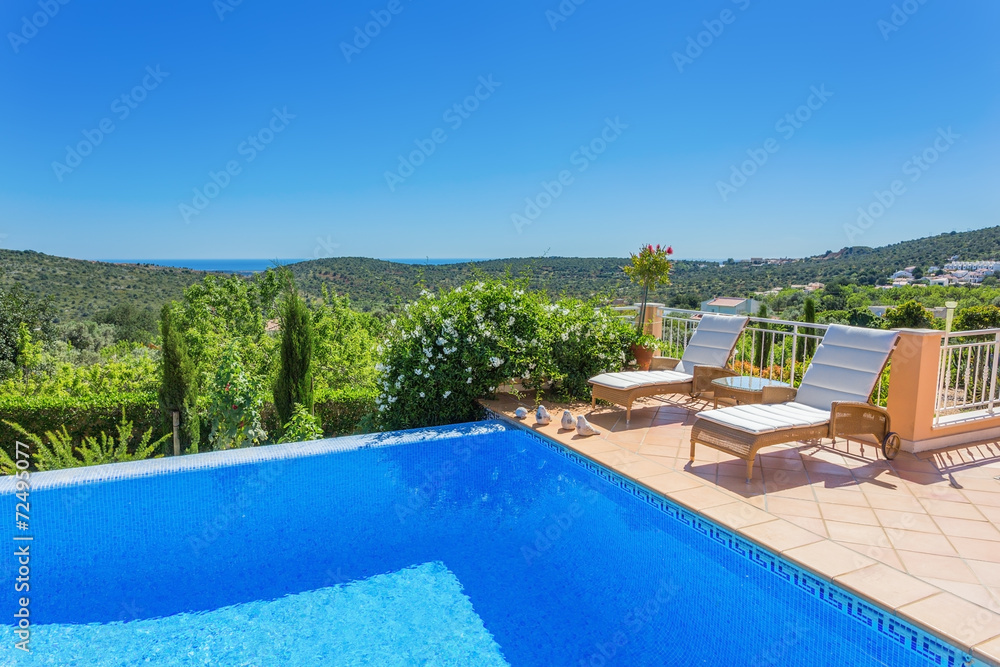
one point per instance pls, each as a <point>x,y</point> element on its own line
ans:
<point>473,545</point>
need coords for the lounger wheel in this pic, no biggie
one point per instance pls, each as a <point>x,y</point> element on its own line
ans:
<point>890,445</point>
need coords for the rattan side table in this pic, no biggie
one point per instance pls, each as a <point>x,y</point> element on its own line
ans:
<point>743,388</point>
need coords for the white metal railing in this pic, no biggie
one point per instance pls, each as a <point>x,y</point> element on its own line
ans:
<point>967,373</point>
<point>768,348</point>
<point>627,312</point>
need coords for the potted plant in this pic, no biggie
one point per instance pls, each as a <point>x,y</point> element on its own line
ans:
<point>650,268</point>
<point>643,348</point>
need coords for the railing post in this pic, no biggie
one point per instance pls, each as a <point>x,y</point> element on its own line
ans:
<point>795,341</point>
<point>993,373</point>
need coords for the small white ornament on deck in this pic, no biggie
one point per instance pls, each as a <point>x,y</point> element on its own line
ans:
<point>584,427</point>
<point>567,420</point>
<point>542,416</point>
<point>520,413</point>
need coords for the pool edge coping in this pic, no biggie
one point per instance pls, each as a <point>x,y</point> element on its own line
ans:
<point>95,474</point>
<point>976,651</point>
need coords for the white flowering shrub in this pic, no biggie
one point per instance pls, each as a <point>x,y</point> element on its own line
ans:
<point>584,341</point>
<point>445,351</point>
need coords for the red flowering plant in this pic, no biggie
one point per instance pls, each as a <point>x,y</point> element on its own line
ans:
<point>650,268</point>
<point>234,404</point>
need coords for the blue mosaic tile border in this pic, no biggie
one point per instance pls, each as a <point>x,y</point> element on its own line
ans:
<point>930,647</point>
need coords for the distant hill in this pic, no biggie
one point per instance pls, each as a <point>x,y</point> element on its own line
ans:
<point>82,288</point>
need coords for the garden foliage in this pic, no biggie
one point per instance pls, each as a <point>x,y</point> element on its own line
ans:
<point>447,350</point>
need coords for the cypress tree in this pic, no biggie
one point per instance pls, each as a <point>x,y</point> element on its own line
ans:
<point>294,382</point>
<point>808,315</point>
<point>178,391</point>
<point>764,348</point>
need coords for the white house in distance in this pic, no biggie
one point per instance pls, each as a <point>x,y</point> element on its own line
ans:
<point>728,305</point>
<point>991,265</point>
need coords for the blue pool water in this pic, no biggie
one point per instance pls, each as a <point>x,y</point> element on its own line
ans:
<point>475,545</point>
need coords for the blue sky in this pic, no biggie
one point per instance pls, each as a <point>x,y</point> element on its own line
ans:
<point>581,130</point>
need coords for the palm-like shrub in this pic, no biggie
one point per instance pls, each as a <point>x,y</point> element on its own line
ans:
<point>60,452</point>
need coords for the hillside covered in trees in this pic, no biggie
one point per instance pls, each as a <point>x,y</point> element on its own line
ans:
<point>82,289</point>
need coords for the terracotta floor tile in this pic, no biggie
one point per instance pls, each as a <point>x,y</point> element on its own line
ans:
<point>771,461</point>
<point>659,450</point>
<point>815,526</point>
<point>973,549</point>
<point>902,502</point>
<point>980,530</point>
<point>982,498</point>
<point>849,514</point>
<point>988,573</point>
<point>950,509</point>
<point>616,459</point>
<point>827,557</point>
<point>595,446</point>
<point>937,493</point>
<point>780,535</point>
<point>927,543</point>
<point>907,521</point>
<point>951,615</point>
<point>738,515</point>
<point>857,534</point>
<point>701,498</point>
<point>943,567</point>
<point>989,484</point>
<point>991,513</point>
<point>796,492</point>
<point>793,507</point>
<point>885,556</point>
<point>974,593</point>
<point>739,485</point>
<point>642,468</point>
<point>988,650</point>
<point>670,482</point>
<point>836,497</point>
<point>886,585</point>
<point>783,479</point>
<point>669,463</point>
<point>822,469</point>
<point>921,478</point>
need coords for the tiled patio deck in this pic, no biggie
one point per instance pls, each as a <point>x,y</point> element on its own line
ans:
<point>921,536</point>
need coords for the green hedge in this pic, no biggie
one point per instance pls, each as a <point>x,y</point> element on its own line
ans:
<point>339,410</point>
<point>86,416</point>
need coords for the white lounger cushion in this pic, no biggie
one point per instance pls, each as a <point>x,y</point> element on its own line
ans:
<point>634,379</point>
<point>759,419</point>
<point>846,366</point>
<point>712,342</point>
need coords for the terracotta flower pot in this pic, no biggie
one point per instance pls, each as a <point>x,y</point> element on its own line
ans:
<point>643,356</point>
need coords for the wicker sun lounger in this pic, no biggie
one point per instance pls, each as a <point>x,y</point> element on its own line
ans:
<point>705,357</point>
<point>832,401</point>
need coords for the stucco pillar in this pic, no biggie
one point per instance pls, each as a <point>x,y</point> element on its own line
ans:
<point>913,385</point>
<point>651,319</point>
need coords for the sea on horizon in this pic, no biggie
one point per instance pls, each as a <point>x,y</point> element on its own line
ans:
<point>257,265</point>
